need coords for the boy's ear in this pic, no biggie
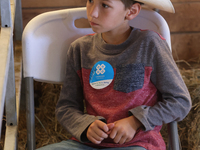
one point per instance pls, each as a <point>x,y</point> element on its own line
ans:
<point>133,11</point>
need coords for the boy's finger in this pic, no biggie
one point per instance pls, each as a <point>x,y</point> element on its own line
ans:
<point>93,140</point>
<point>128,139</point>
<point>101,134</point>
<point>97,137</point>
<point>103,126</point>
<point>118,137</point>
<point>113,133</point>
<point>122,140</point>
<point>110,126</point>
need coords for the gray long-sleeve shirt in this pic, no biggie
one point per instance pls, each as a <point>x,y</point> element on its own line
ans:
<point>138,77</point>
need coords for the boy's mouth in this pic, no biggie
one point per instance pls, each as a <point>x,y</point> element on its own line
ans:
<point>93,24</point>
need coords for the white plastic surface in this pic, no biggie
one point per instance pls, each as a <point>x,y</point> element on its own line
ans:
<point>47,37</point>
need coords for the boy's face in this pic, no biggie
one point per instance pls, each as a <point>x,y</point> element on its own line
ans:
<point>106,15</point>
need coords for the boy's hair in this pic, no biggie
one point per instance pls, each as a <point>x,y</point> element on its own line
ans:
<point>129,3</point>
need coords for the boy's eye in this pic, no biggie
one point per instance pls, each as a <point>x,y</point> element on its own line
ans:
<point>105,6</point>
<point>90,1</point>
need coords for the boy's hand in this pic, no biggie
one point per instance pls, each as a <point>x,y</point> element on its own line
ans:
<point>97,131</point>
<point>125,129</point>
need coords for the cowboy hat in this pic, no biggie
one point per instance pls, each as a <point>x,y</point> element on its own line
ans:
<point>164,5</point>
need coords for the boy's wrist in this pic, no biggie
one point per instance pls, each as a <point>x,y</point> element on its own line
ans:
<point>84,135</point>
<point>136,122</point>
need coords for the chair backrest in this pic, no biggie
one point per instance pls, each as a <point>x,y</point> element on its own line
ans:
<point>47,37</point>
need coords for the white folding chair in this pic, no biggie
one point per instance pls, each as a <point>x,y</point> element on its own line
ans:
<point>45,42</point>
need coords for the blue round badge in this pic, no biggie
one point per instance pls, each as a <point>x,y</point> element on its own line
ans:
<point>101,75</point>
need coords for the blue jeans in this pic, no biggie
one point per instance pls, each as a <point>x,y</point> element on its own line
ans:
<point>74,145</point>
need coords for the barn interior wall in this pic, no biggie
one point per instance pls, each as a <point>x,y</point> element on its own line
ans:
<point>184,24</point>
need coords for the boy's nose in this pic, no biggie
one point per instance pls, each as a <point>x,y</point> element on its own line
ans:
<point>94,12</point>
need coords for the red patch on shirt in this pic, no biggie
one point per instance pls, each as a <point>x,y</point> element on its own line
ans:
<point>114,105</point>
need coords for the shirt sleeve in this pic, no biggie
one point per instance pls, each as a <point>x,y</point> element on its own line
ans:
<point>70,106</point>
<point>176,101</point>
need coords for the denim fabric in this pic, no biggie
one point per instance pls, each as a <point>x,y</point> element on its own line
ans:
<point>129,78</point>
<point>74,145</point>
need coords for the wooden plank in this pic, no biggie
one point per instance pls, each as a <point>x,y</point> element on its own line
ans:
<point>181,1</point>
<point>52,3</point>
<point>185,46</point>
<point>186,18</point>
<point>67,3</point>
<point>28,14</point>
<point>18,73</point>
<point>5,49</point>
<point>11,138</point>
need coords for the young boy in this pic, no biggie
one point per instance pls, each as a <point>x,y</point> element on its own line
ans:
<point>128,79</point>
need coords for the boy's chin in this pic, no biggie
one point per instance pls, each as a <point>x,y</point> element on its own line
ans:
<point>96,31</point>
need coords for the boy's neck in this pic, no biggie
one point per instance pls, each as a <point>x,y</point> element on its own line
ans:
<point>116,37</point>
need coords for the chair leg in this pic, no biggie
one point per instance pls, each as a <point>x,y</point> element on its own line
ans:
<point>30,113</point>
<point>174,143</point>
<point>18,21</point>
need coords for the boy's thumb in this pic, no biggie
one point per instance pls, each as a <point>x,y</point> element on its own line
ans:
<point>110,125</point>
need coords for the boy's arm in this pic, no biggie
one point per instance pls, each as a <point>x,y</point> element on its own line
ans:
<point>70,107</point>
<point>175,102</point>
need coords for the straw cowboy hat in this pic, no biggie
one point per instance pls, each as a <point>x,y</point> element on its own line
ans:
<point>164,5</point>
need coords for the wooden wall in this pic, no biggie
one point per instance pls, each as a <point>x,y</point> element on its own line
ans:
<point>185,29</point>
<point>184,24</point>
<point>32,8</point>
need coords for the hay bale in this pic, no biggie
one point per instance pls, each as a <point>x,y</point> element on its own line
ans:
<point>47,128</point>
<point>189,128</point>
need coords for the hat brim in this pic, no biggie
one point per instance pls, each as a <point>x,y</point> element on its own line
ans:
<point>164,5</point>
